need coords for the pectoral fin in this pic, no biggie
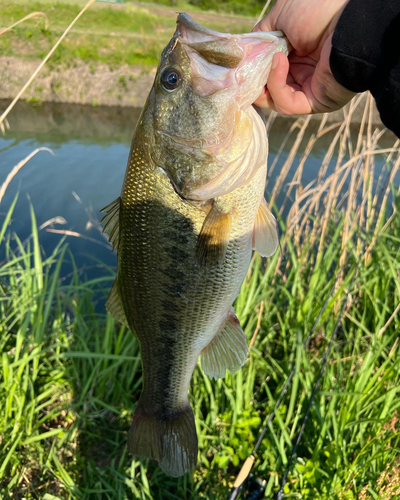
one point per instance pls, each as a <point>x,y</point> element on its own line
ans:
<point>227,351</point>
<point>114,305</point>
<point>214,237</point>
<point>111,222</point>
<point>265,232</point>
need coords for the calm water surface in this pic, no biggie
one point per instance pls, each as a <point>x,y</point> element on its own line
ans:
<point>91,147</point>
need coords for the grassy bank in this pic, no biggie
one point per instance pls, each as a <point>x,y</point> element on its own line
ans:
<point>121,34</point>
<point>70,377</point>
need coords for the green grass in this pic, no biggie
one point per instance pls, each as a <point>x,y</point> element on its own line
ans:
<point>240,7</point>
<point>70,377</point>
<point>129,34</point>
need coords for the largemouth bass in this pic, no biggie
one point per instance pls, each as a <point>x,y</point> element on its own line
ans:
<point>191,210</point>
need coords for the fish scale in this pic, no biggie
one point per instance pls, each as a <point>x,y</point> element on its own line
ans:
<point>163,277</point>
<point>182,257</point>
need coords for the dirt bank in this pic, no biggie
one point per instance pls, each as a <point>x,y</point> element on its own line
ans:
<point>80,84</point>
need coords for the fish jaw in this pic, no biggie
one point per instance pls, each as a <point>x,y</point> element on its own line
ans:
<point>204,128</point>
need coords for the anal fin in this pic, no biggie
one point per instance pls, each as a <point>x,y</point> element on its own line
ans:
<point>265,232</point>
<point>213,239</point>
<point>227,350</point>
<point>114,304</point>
<point>111,222</point>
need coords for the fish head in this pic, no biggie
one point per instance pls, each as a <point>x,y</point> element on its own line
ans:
<point>202,96</point>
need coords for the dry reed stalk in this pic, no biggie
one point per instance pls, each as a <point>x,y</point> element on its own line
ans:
<point>54,220</point>
<point>360,134</point>
<point>267,4</point>
<point>395,149</point>
<point>329,153</point>
<point>258,327</point>
<point>345,144</point>
<point>360,141</point>
<point>294,125</point>
<point>364,197</point>
<point>35,73</point>
<point>371,198</point>
<point>29,16</point>
<point>369,165</point>
<point>93,221</point>
<point>331,194</point>
<point>311,205</point>
<point>386,225</point>
<point>300,191</point>
<point>350,148</point>
<point>300,196</point>
<point>4,126</point>
<point>307,150</point>
<point>382,210</point>
<point>66,232</point>
<point>379,183</point>
<point>347,234</point>
<point>389,321</point>
<point>17,168</point>
<point>289,161</point>
<point>354,163</point>
<point>270,121</point>
<point>299,219</point>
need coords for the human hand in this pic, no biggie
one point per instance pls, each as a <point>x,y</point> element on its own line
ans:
<point>303,82</point>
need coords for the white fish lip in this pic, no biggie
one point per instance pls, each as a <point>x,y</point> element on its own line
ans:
<point>185,20</point>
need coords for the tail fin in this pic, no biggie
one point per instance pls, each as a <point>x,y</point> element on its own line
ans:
<point>171,441</point>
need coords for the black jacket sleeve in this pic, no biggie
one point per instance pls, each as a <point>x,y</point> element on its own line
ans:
<point>366,54</point>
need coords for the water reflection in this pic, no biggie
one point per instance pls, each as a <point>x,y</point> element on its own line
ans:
<point>91,147</point>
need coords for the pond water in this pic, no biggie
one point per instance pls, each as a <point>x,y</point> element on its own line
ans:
<point>91,147</point>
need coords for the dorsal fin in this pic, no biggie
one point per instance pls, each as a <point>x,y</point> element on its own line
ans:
<point>111,222</point>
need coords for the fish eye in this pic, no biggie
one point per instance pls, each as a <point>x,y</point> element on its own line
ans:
<point>170,79</point>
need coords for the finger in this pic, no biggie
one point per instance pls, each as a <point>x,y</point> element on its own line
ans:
<point>278,73</point>
<point>287,99</point>
<point>264,100</point>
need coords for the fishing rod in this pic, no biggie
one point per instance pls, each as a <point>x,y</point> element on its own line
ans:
<point>256,487</point>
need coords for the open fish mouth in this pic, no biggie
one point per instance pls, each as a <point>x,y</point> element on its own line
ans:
<point>222,49</point>
<point>224,60</point>
<point>193,34</point>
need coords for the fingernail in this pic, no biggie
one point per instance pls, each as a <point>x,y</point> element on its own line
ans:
<point>274,62</point>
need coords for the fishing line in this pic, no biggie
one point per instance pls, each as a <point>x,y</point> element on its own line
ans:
<point>248,464</point>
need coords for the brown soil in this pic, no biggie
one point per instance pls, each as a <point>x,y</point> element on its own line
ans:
<point>81,84</point>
